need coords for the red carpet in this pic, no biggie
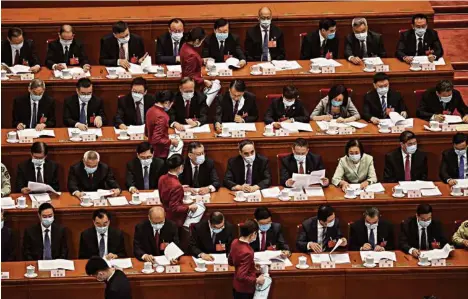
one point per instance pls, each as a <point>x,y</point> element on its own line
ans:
<point>464,92</point>
<point>455,43</point>
<point>450,6</point>
<point>451,20</point>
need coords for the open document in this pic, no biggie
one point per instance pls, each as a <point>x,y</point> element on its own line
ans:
<point>97,131</point>
<point>397,120</point>
<point>41,188</point>
<point>295,127</point>
<point>452,119</point>
<point>304,180</point>
<point>8,203</point>
<point>132,130</point>
<point>240,126</point>
<point>35,134</point>
<point>17,69</point>
<point>325,62</point>
<point>48,265</point>
<point>219,259</point>
<point>425,59</point>
<point>283,65</point>
<point>120,263</point>
<point>338,258</point>
<point>378,255</point>
<point>272,192</point>
<point>438,253</point>
<point>201,129</point>
<point>118,201</point>
<point>268,256</point>
<point>40,197</point>
<point>171,252</point>
<point>416,185</point>
<point>74,71</point>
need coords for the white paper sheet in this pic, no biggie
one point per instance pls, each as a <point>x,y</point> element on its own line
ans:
<point>452,119</point>
<point>35,134</point>
<point>174,68</point>
<point>397,120</point>
<point>338,243</point>
<point>146,64</point>
<point>136,69</point>
<point>356,187</point>
<point>357,124</point>
<point>268,256</point>
<point>48,265</point>
<point>323,125</point>
<point>272,192</point>
<point>376,188</point>
<point>201,129</point>
<point>438,253</point>
<point>73,71</point>
<point>132,130</point>
<point>7,203</point>
<point>219,259</point>
<point>325,62</point>
<point>240,127</point>
<point>117,201</point>
<point>431,192</point>
<point>145,195</point>
<point>172,251</point>
<point>40,197</point>
<point>161,260</point>
<point>95,131</point>
<point>221,66</point>
<point>282,65</point>
<point>296,126</point>
<point>234,62</point>
<point>314,191</point>
<point>416,185</point>
<point>425,59</point>
<point>118,69</point>
<point>39,187</point>
<point>462,183</point>
<point>19,68</point>
<point>195,217</point>
<point>301,180</point>
<point>338,258</point>
<point>378,255</point>
<point>373,60</point>
<point>120,263</point>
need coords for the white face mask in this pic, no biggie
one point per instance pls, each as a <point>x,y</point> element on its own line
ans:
<point>137,97</point>
<point>300,158</point>
<point>37,162</point>
<point>331,224</point>
<point>146,162</point>
<point>249,159</point>
<point>46,222</point>
<point>35,97</point>
<point>372,226</point>
<point>355,158</point>
<point>17,46</point>
<point>265,23</point>
<point>361,36</point>
<point>124,40</point>
<point>288,103</point>
<point>187,96</point>
<point>420,31</point>
<point>85,98</point>
<point>382,90</point>
<point>446,99</point>
<point>66,42</point>
<point>199,160</point>
<point>177,36</point>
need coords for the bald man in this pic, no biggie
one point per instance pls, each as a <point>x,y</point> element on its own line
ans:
<point>66,50</point>
<point>264,41</point>
<point>153,235</point>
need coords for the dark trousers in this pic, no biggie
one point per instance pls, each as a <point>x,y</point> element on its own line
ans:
<point>237,295</point>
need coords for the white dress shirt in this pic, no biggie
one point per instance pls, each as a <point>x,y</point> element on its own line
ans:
<point>262,30</point>
<point>321,39</point>
<point>37,112</point>
<point>125,46</point>
<point>320,230</point>
<point>404,159</point>
<point>42,170</point>
<point>466,164</point>
<point>419,238</point>
<point>50,234</point>
<point>241,104</point>
<point>212,189</point>
<point>13,55</point>
<point>79,109</point>
<point>105,241</point>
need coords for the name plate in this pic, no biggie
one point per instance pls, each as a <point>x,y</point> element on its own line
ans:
<point>367,195</point>
<point>268,71</point>
<point>414,193</point>
<point>281,132</point>
<point>238,134</point>
<point>428,66</point>
<point>225,72</point>
<point>327,265</point>
<point>152,201</point>
<point>385,263</point>
<point>186,135</point>
<point>300,197</point>
<point>448,128</point>
<point>220,268</point>
<point>124,76</point>
<point>88,137</point>
<point>27,77</point>
<point>57,273</point>
<point>173,74</point>
<point>173,269</point>
<point>137,136</point>
<point>328,69</point>
<point>465,192</point>
<point>345,131</point>
<point>5,275</point>
<point>25,139</point>
<point>78,76</point>
<point>382,68</point>
<point>439,262</point>
<point>203,198</point>
<point>100,202</point>
<point>253,197</point>
<point>277,266</point>
<point>397,129</point>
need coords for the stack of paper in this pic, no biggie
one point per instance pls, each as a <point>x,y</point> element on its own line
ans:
<point>132,130</point>
<point>136,69</point>
<point>272,192</point>
<point>118,69</point>
<point>48,265</point>
<point>117,201</point>
<point>201,129</point>
<point>416,185</point>
<point>100,193</point>
<point>19,69</point>
<point>39,187</point>
<point>325,62</point>
<point>314,191</point>
<point>120,263</point>
<point>40,197</point>
<point>35,134</point>
<point>266,257</point>
<point>461,128</point>
<point>397,120</point>
<point>378,255</point>
<point>357,125</point>
<point>431,192</point>
<point>452,119</point>
<point>219,259</point>
<point>462,183</point>
<point>174,68</point>
<point>376,188</point>
<point>173,252</point>
<point>356,187</point>
<point>145,195</point>
<point>338,258</point>
<point>240,127</point>
<point>95,131</point>
<point>304,180</point>
<point>195,217</point>
<point>296,127</point>
<point>323,125</point>
<point>373,60</point>
<point>438,253</point>
<point>425,59</point>
<point>281,65</point>
<point>221,66</point>
<point>7,203</point>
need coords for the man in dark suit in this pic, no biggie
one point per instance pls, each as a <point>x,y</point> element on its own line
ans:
<point>66,49</point>
<point>169,43</point>
<point>379,102</point>
<point>199,174</point>
<point>363,43</point>
<point>319,234</point>
<point>248,171</point>
<point>35,110</point>
<point>189,107</point>
<point>454,164</point>
<point>212,235</point>
<point>7,242</point>
<point>300,161</point>
<point>264,41</point>
<point>90,175</point>
<point>132,108</point>
<point>117,284</point>
<point>17,50</point>
<point>84,109</point>
<point>322,42</point>
<point>46,240</point>
<point>236,105</point>
<point>102,239</point>
<point>222,44</point>
<point>288,108</point>
<point>371,233</point>
<point>406,163</point>
<point>421,232</point>
<point>153,235</point>
<point>144,170</point>
<point>120,48</point>
<point>442,100</point>
<point>270,234</point>
<point>37,169</point>
<point>419,41</point>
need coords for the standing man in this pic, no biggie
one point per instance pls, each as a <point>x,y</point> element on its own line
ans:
<point>264,41</point>
<point>16,50</point>
<point>363,43</point>
<point>454,164</point>
<point>169,43</point>
<point>322,42</point>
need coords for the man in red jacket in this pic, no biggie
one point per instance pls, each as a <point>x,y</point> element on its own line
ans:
<point>157,125</point>
<point>242,258</point>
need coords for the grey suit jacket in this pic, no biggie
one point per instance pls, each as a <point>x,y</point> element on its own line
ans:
<point>323,108</point>
<point>347,171</point>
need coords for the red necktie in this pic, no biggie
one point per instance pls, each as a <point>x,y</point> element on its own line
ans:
<point>121,52</point>
<point>236,108</point>
<point>156,240</point>
<point>187,109</point>
<point>262,248</point>
<point>301,167</point>
<point>407,168</point>
<point>17,58</point>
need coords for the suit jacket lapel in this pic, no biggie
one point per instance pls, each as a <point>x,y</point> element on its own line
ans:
<point>293,162</point>
<point>94,240</point>
<point>314,228</point>
<point>7,54</point>
<point>400,163</point>
<point>270,238</point>
<point>258,35</point>
<point>240,163</point>
<point>309,164</point>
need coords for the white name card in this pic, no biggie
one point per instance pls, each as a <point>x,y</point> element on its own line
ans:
<point>345,131</point>
<point>220,268</point>
<point>397,129</point>
<point>5,275</point>
<point>328,69</point>
<point>383,263</point>
<point>57,273</point>
<point>173,269</point>
<point>186,135</point>
<point>100,202</point>
<point>448,128</point>
<point>367,195</point>
<point>281,132</point>
<point>88,137</point>
<point>27,77</point>
<point>382,68</point>
<point>78,76</point>
<point>428,66</point>
<point>268,71</point>
<point>277,266</point>
<point>300,197</point>
<point>414,193</point>
<point>439,262</point>
<point>225,72</point>
<point>173,74</point>
<point>124,76</point>
<point>238,134</point>
<point>152,201</point>
<point>253,197</point>
<point>327,265</point>
<point>137,136</point>
<point>25,139</point>
<point>203,198</point>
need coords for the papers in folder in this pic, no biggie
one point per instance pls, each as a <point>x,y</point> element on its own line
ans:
<point>314,191</point>
<point>40,198</point>
<point>397,120</point>
<point>120,263</point>
<point>376,188</point>
<point>171,252</point>
<point>8,203</point>
<point>219,259</point>
<point>132,130</point>
<point>35,134</point>
<point>338,258</point>
<point>425,59</point>
<point>74,71</point>
<point>416,185</point>
<point>382,255</point>
<point>438,253</point>
<point>296,127</point>
<point>373,60</point>
<point>39,187</point>
<point>201,129</point>
<point>240,127</point>
<point>95,131</point>
<point>48,265</point>
<point>100,193</point>
<point>325,62</point>
<point>19,69</point>
<point>323,125</point>
<point>304,180</point>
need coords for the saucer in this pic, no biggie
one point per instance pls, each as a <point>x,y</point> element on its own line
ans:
<point>398,196</point>
<point>123,138</point>
<point>30,276</point>
<point>6,78</point>
<point>21,207</point>
<point>369,265</point>
<point>224,135</point>
<point>350,197</point>
<point>255,73</point>
<point>160,269</point>
<point>213,74</point>
<point>268,135</point>
<point>112,76</point>
<point>384,131</point>
<point>67,77</point>
<point>75,139</point>
<point>160,75</point>
<point>331,132</point>
<point>435,130</point>
<point>369,70</point>
<point>415,69</point>
<point>456,194</point>
<point>201,270</point>
<point>87,205</point>
<point>302,267</point>
<point>315,72</point>
<point>240,199</point>
<point>12,141</point>
<point>424,264</point>
<point>147,271</point>
<point>287,198</point>
<point>134,203</point>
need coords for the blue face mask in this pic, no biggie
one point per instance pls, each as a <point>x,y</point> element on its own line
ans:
<point>336,103</point>
<point>460,152</point>
<point>264,227</point>
<point>90,170</point>
<point>355,158</point>
<point>222,36</point>
<point>46,222</point>
<point>217,230</point>
<point>331,35</point>
<point>411,149</point>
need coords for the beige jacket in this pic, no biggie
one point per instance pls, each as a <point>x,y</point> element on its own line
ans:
<point>347,171</point>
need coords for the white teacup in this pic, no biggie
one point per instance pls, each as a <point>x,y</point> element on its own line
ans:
<point>369,66</point>
<point>456,189</point>
<point>302,261</point>
<point>434,124</point>
<point>201,264</point>
<point>159,70</point>
<point>112,72</point>
<point>240,195</point>
<point>187,197</point>
<point>148,266</point>
<point>369,260</point>
<point>4,74</point>
<point>11,135</point>
<point>86,199</point>
<point>255,69</point>
<point>350,192</point>
<point>397,190</point>
<point>384,126</point>
<point>264,269</point>
<point>21,201</point>
<point>123,134</point>
<point>415,65</point>
<point>30,270</point>
<point>66,73</point>
<point>315,67</point>
<point>225,131</point>
<point>136,198</point>
<point>75,134</point>
<point>268,129</point>
<point>423,259</point>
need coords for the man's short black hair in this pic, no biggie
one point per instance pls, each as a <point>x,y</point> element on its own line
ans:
<point>444,85</point>
<point>220,23</point>
<point>407,135</point>
<point>381,77</point>
<point>300,142</point>
<point>248,227</point>
<point>39,147</point>
<point>119,27</point>
<point>216,218</point>
<point>100,213</point>
<point>174,161</point>
<point>324,211</point>
<point>424,208</point>
<point>193,145</point>
<point>244,143</point>
<point>83,82</point>
<point>238,85</point>
<point>175,20</point>
<point>140,81</point>
<point>290,92</point>
<point>327,23</point>
<point>14,32</point>
<point>95,264</point>
<point>419,16</point>
<point>458,138</point>
<point>164,96</point>
<point>143,147</point>
<point>262,213</point>
<point>186,80</point>
<point>45,206</point>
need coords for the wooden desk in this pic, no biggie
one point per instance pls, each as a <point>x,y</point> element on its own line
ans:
<point>117,153</point>
<point>308,84</point>
<point>151,21</point>
<point>345,281</point>
<point>70,214</point>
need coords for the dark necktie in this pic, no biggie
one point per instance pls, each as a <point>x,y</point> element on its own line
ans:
<point>66,54</point>
<point>236,108</point>
<point>322,48</point>
<point>139,120</point>
<point>47,250</point>
<point>384,107</point>
<point>83,114</point>
<point>407,168</point>
<point>39,175</point>
<point>423,242</point>
<point>221,50</point>
<point>17,58</point>
<point>248,177</point>
<point>102,246</point>
<point>372,238</point>
<point>146,178</point>
<point>196,184</point>
<point>324,238</point>
<point>156,241</point>
<point>420,47</point>
<point>263,245</point>
<point>34,116</point>
<point>121,52</point>
<point>363,49</point>
<point>176,48</point>
<point>213,238</point>
<point>187,109</point>
<point>265,46</point>
<point>301,167</point>
<point>461,168</point>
